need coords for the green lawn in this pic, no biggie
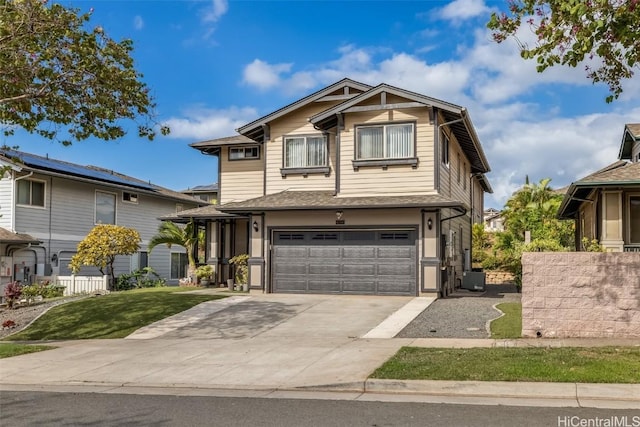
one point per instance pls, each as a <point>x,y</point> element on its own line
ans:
<point>110,316</point>
<point>509,325</point>
<point>13,349</point>
<point>566,364</point>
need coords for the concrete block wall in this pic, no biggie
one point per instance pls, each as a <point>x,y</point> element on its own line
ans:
<point>581,295</point>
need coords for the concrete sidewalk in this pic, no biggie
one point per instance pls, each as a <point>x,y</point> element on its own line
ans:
<point>271,344</point>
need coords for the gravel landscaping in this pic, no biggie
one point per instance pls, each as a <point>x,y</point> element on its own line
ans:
<point>464,314</point>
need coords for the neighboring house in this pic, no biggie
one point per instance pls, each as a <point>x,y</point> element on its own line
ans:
<point>353,189</point>
<point>54,204</point>
<point>493,220</point>
<point>207,193</point>
<point>606,204</point>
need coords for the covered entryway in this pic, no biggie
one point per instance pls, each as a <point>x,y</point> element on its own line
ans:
<point>365,262</point>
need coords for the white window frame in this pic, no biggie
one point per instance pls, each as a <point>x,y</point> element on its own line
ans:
<point>186,264</point>
<point>241,152</point>
<point>306,151</point>
<point>444,146</point>
<point>30,204</point>
<point>385,155</point>
<point>133,197</point>
<point>115,207</point>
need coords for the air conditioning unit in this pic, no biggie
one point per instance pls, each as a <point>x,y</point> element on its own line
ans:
<point>473,280</point>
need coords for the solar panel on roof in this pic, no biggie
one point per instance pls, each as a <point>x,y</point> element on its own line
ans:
<point>75,170</point>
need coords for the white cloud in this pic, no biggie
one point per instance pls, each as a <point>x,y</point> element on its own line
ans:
<point>214,12</point>
<point>138,22</point>
<point>201,123</point>
<point>460,10</point>
<point>263,75</point>
<point>518,113</point>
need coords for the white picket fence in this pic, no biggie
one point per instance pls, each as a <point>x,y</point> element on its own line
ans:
<point>82,284</point>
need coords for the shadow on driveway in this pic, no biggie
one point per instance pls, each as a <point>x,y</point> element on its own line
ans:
<point>245,320</point>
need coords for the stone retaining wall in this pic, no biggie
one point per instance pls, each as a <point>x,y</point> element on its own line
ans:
<point>580,294</point>
<point>498,277</point>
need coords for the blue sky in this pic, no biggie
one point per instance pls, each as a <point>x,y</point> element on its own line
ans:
<point>216,65</point>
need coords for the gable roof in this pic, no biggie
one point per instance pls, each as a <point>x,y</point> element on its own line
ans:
<point>255,130</point>
<point>211,145</point>
<point>7,236</point>
<point>630,135</point>
<point>94,174</point>
<point>209,188</point>
<point>457,117</point>
<point>617,175</point>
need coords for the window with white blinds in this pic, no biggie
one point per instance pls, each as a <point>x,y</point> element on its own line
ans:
<point>385,142</point>
<point>305,151</point>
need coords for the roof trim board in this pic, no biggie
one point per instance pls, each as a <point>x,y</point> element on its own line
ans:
<point>254,129</point>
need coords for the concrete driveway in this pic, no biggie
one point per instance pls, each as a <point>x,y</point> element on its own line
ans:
<point>265,341</point>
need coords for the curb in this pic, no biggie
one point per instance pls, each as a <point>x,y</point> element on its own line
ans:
<point>585,394</point>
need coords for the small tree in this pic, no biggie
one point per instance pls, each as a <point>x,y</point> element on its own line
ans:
<point>101,246</point>
<point>59,77</point>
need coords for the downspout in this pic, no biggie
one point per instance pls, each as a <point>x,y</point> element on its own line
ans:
<point>14,202</point>
<point>471,200</point>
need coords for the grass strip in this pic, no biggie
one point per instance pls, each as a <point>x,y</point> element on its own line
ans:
<point>110,316</point>
<point>509,325</point>
<point>14,349</point>
<point>565,364</point>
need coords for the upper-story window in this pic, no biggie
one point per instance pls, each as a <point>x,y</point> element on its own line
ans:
<point>393,141</point>
<point>305,151</point>
<point>445,149</point>
<point>105,208</point>
<point>129,197</point>
<point>244,153</point>
<point>30,193</point>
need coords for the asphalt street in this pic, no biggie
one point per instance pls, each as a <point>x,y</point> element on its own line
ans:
<point>91,409</point>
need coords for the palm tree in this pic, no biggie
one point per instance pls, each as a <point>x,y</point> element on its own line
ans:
<point>170,233</point>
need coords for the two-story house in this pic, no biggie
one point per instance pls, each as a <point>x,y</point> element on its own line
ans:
<point>353,189</point>
<point>48,206</point>
<point>606,204</point>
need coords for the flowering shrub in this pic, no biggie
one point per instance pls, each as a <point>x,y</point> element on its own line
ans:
<point>12,293</point>
<point>8,324</point>
<point>44,289</point>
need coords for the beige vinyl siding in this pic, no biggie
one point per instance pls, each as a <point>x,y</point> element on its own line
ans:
<point>297,123</point>
<point>635,151</point>
<point>397,179</point>
<point>449,185</point>
<point>240,179</point>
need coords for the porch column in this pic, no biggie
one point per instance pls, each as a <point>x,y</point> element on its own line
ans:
<point>430,260</point>
<point>612,238</point>
<point>256,252</point>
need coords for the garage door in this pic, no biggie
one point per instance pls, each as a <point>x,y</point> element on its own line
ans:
<point>371,262</point>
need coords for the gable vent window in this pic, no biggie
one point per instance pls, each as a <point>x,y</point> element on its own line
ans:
<point>129,197</point>
<point>244,153</point>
